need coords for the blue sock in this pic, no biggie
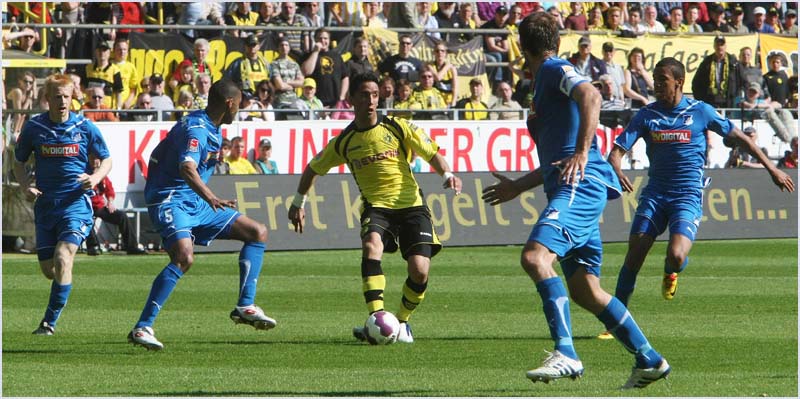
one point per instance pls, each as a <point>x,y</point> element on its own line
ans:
<point>556,310</point>
<point>58,299</point>
<point>626,283</point>
<point>162,286</point>
<point>250,258</point>
<point>620,323</point>
<point>669,270</point>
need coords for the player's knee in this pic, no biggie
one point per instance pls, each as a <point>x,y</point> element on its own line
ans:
<point>183,260</point>
<point>675,257</point>
<point>532,261</point>
<point>48,270</point>
<point>260,233</point>
<point>372,244</point>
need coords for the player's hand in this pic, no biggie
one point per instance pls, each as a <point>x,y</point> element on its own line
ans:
<point>32,193</point>
<point>571,167</point>
<point>782,180</point>
<point>626,184</point>
<point>501,192</point>
<point>454,183</point>
<point>217,203</point>
<point>88,181</point>
<point>298,218</point>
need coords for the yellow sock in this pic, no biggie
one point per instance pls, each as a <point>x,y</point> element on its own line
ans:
<point>373,284</point>
<point>413,294</point>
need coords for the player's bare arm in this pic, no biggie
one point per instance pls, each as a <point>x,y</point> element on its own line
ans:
<point>588,99</point>
<point>441,167</point>
<point>88,181</point>
<point>779,177</point>
<point>508,189</point>
<point>297,214</point>
<point>189,174</point>
<point>615,159</point>
<point>31,193</point>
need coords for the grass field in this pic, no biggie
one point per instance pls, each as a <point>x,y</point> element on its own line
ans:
<point>731,331</point>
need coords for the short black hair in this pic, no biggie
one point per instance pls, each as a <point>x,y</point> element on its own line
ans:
<point>675,66</point>
<point>222,90</point>
<point>358,80</point>
<point>538,33</point>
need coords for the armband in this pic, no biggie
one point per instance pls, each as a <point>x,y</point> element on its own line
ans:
<point>448,175</point>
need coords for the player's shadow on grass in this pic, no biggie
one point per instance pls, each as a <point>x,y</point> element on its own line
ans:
<point>30,351</point>
<point>365,393</point>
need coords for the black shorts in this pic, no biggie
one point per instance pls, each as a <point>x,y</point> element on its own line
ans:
<point>412,227</point>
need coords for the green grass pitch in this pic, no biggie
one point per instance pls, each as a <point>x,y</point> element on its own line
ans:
<point>731,331</point>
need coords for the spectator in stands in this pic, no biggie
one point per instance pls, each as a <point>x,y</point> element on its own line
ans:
<point>222,167</point>
<point>265,97</point>
<point>790,23</point>
<point>576,20</point>
<point>105,75</point>
<point>128,73</point>
<point>386,93</point>
<point>201,13</point>
<point>299,43</point>
<point>504,107</point>
<point>515,17</point>
<point>759,22</point>
<point>266,11</point>
<point>651,23</point>
<point>736,22</point>
<point>285,76</point>
<point>789,159</point>
<point>586,64</point>
<point>634,22</point>
<point>143,101</point>
<point>263,164</point>
<point>692,19</point>
<point>676,21</point>
<point>202,84</point>
<point>716,22</point>
<point>473,106</point>
<point>251,68</point>
<point>328,70</point>
<point>94,109</point>
<point>638,82</point>
<point>428,21</point>
<point>402,65</point>
<point>405,100</point>
<point>595,19</point>
<point>237,159</point>
<point>104,208</point>
<point>612,109</point>
<point>614,19</point>
<point>447,18</point>
<point>428,96</point>
<point>310,99</point>
<point>487,10</point>
<point>22,98</point>
<point>185,82</point>
<point>403,15</point>
<point>346,13</point>
<point>740,157</point>
<point>359,61</point>
<point>496,46</point>
<point>250,109</point>
<point>715,81</point>
<point>755,106</point>
<point>772,19</point>
<point>197,62</point>
<point>375,16</point>
<point>313,14</point>
<point>746,71</point>
<point>77,92</point>
<point>776,81</point>
<point>241,15</point>
<point>183,104</point>
<point>466,14</point>
<point>159,100</point>
<point>446,74</point>
<point>665,10</point>
<point>614,70</point>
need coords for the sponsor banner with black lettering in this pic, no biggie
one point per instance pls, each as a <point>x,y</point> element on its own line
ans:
<point>739,204</point>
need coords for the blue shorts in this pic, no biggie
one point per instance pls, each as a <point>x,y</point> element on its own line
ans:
<point>179,218</point>
<point>680,210</point>
<point>569,227</point>
<point>68,220</point>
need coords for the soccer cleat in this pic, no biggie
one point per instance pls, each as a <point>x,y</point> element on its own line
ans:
<point>641,378</point>
<point>605,335</point>
<point>405,335</point>
<point>254,316</point>
<point>669,286</point>
<point>556,366</point>
<point>144,336</point>
<point>44,329</point>
<point>360,333</point>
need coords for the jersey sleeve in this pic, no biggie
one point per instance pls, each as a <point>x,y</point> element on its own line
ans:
<point>418,140</point>
<point>566,76</point>
<point>97,145</point>
<point>716,122</point>
<point>192,145</point>
<point>24,146</point>
<point>635,129</point>
<point>327,158</point>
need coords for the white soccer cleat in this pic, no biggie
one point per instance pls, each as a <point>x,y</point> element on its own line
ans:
<point>641,378</point>
<point>360,333</point>
<point>556,366</point>
<point>254,316</point>
<point>44,329</point>
<point>405,335</point>
<point>145,337</point>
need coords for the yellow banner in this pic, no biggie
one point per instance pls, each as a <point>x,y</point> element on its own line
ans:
<point>689,49</point>
<point>783,45</point>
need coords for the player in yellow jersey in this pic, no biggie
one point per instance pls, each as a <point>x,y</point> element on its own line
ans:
<point>378,151</point>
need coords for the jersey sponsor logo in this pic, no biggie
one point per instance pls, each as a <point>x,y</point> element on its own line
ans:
<point>194,145</point>
<point>687,120</point>
<point>77,137</point>
<point>370,159</point>
<point>671,136</point>
<point>552,214</point>
<point>60,150</point>
<point>426,234</point>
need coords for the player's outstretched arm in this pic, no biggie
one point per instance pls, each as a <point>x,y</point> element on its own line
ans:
<point>780,178</point>
<point>297,214</point>
<point>189,174</point>
<point>441,167</point>
<point>615,159</point>
<point>508,189</point>
<point>588,99</point>
<point>24,180</point>
<point>88,181</point>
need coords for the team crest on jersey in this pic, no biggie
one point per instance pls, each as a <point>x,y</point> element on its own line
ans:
<point>388,138</point>
<point>60,150</point>
<point>551,214</point>
<point>671,136</point>
<point>687,120</point>
<point>77,137</point>
<point>194,145</point>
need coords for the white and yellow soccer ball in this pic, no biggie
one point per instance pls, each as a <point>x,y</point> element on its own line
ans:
<point>382,328</point>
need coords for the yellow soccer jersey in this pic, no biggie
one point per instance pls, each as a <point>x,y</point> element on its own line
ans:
<point>379,159</point>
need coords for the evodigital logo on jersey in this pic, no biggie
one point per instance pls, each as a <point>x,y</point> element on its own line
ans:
<point>60,150</point>
<point>671,136</point>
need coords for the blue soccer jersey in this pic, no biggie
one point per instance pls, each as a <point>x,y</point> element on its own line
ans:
<point>676,141</point>
<point>61,151</point>
<point>194,138</point>
<point>553,124</point>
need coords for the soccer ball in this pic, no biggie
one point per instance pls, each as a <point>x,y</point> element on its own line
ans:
<point>382,328</point>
